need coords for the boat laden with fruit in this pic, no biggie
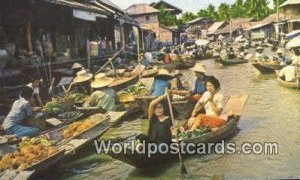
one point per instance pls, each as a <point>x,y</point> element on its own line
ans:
<point>36,155</point>
<point>235,105</point>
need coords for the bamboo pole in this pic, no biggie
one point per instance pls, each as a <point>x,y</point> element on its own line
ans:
<point>138,52</point>
<point>28,32</point>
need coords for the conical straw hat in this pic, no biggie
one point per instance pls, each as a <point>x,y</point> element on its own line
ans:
<point>101,80</point>
<point>199,68</point>
<point>82,76</point>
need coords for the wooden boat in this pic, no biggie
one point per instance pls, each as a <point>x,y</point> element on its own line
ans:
<point>266,68</point>
<point>149,73</point>
<point>71,145</point>
<point>186,64</point>
<point>235,104</point>
<point>228,62</point>
<point>281,82</point>
<point>123,82</point>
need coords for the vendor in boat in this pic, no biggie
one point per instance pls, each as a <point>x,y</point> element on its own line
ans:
<point>177,83</point>
<point>82,82</point>
<point>20,111</point>
<point>231,53</point>
<point>296,56</point>
<point>200,82</point>
<point>167,57</point>
<point>76,67</point>
<point>160,124</point>
<point>103,97</point>
<point>241,54</point>
<point>259,53</point>
<point>212,101</point>
<point>36,100</point>
<point>288,73</point>
<point>161,82</point>
<point>280,58</point>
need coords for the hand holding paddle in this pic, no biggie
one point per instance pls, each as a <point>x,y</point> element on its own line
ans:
<point>183,170</point>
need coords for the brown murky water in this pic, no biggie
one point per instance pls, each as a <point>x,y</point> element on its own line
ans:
<point>271,115</point>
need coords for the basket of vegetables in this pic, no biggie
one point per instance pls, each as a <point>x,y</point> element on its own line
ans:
<point>127,95</point>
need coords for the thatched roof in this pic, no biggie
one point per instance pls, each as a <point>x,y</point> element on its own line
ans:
<point>215,26</point>
<point>111,5</point>
<point>290,2</point>
<point>140,9</point>
<point>78,5</point>
<point>268,20</point>
<point>194,21</point>
<point>243,23</point>
<point>167,5</point>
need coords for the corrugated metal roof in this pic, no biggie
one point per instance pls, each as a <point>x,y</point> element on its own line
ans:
<point>244,23</point>
<point>195,20</point>
<point>139,9</point>
<point>111,5</point>
<point>290,2</point>
<point>78,5</point>
<point>213,28</point>
<point>157,4</point>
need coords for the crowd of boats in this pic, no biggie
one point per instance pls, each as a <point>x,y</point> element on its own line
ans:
<point>89,104</point>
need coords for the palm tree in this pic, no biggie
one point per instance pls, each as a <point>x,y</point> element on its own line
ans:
<point>258,8</point>
<point>224,12</point>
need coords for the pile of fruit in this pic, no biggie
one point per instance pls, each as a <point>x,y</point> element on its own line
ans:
<point>43,140</point>
<point>78,127</point>
<point>193,134</point>
<point>30,151</point>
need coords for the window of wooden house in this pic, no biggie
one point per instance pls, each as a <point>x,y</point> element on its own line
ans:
<point>147,18</point>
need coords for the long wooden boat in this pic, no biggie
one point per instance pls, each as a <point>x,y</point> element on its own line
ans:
<point>74,143</point>
<point>186,64</point>
<point>228,62</point>
<point>149,73</point>
<point>123,82</point>
<point>281,82</point>
<point>266,68</point>
<point>140,160</point>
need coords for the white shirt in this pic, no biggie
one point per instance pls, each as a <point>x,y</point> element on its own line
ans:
<point>36,91</point>
<point>295,59</point>
<point>288,72</point>
<point>217,99</point>
<point>149,57</point>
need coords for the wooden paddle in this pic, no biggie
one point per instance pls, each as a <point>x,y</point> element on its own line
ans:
<point>183,170</point>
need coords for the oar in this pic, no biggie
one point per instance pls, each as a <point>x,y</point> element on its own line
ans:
<point>183,170</point>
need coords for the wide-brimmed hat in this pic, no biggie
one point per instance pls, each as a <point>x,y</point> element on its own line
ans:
<point>177,73</point>
<point>82,76</point>
<point>76,66</point>
<point>279,51</point>
<point>164,73</point>
<point>199,67</point>
<point>259,48</point>
<point>101,80</point>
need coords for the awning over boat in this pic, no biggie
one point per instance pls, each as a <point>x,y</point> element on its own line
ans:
<point>294,43</point>
<point>293,34</point>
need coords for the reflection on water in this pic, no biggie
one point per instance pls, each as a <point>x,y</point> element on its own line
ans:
<point>271,115</point>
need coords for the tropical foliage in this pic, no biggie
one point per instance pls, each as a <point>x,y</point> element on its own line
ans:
<point>257,9</point>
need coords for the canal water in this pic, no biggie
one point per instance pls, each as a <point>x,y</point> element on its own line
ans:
<point>270,115</point>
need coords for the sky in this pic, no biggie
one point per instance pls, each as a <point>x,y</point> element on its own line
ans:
<point>185,5</point>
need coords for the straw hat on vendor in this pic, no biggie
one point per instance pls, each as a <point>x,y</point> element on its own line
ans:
<point>101,80</point>
<point>259,48</point>
<point>279,51</point>
<point>163,73</point>
<point>76,66</point>
<point>199,67</point>
<point>82,76</point>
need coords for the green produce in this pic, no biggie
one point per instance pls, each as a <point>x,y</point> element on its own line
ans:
<point>193,134</point>
<point>52,108</point>
<point>36,141</point>
<point>134,89</point>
